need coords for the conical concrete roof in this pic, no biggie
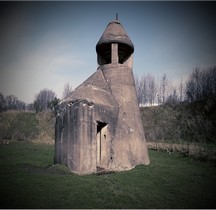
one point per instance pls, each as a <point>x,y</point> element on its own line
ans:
<point>115,33</point>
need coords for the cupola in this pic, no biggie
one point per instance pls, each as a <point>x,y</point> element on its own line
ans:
<point>114,45</point>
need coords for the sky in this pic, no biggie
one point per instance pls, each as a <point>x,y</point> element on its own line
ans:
<point>49,44</point>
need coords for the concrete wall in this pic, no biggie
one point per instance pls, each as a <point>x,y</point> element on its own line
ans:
<point>79,144</point>
<point>119,144</point>
<point>129,142</point>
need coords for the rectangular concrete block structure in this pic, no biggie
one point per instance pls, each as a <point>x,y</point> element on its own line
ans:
<point>99,126</point>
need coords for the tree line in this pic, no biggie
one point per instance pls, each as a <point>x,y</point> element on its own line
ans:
<point>151,90</point>
<point>11,102</point>
<point>155,91</point>
<point>45,100</point>
<point>200,85</point>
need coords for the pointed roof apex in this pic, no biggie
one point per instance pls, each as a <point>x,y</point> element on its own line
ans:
<point>115,33</point>
<point>116,16</point>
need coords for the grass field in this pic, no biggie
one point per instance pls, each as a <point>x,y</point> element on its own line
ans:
<point>28,179</point>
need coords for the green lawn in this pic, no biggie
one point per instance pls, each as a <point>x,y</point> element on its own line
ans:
<point>29,180</point>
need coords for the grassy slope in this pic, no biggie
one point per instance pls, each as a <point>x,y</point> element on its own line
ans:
<point>18,125</point>
<point>181,123</point>
<point>194,123</point>
<point>29,180</point>
<point>27,126</point>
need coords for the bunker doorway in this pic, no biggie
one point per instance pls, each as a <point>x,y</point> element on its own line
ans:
<point>101,143</point>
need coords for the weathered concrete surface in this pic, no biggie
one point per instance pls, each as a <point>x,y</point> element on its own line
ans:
<point>99,125</point>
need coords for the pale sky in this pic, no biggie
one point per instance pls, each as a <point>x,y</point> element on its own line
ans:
<point>49,44</point>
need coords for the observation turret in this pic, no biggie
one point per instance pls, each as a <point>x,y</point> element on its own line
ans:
<point>114,46</point>
<point>99,127</point>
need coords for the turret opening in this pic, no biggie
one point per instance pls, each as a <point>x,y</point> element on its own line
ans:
<point>113,53</point>
<point>104,54</point>
<point>124,52</point>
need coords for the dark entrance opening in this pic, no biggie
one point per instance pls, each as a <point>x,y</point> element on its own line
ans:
<point>101,137</point>
<point>100,125</point>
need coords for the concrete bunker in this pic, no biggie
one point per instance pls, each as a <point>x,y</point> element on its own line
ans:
<point>98,127</point>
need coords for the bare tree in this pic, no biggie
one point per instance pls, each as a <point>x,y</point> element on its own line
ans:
<point>2,102</point>
<point>197,79</point>
<point>141,89</point>
<point>193,86</point>
<point>11,102</point>
<point>42,99</point>
<point>208,82</point>
<point>201,84</point>
<point>138,90</point>
<point>159,92</point>
<point>21,105</point>
<point>213,81</point>
<point>152,91</point>
<point>172,99</point>
<point>181,90</point>
<point>146,89</point>
<point>67,90</point>
<point>164,85</point>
